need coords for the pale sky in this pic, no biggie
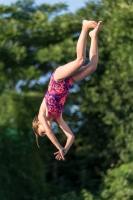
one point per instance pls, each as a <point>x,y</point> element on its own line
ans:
<point>73,5</point>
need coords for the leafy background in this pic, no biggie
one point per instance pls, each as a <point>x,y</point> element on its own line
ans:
<point>34,40</point>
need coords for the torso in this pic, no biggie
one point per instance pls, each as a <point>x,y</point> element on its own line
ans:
<point>56,96</point>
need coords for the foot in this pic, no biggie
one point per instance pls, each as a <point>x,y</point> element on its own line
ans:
<point>89,24</point>
<point>95,31</point>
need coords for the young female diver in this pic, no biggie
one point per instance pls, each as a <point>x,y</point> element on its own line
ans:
<point>61,81</point>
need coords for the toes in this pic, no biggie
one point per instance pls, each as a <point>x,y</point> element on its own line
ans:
<point>99,25</point>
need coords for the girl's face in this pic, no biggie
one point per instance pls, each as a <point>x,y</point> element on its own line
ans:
<point>41,130</point>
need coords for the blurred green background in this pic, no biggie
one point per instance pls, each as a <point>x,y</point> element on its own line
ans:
<point>34,40</point>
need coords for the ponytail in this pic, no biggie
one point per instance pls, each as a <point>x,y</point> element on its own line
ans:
<point>37,140</point>
<point>35,128</point>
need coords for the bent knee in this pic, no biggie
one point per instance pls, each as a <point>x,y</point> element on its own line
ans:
<point>93,66</point>
<point>80,60</point>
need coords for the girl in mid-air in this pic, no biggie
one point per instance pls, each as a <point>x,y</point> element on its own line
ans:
<point>61,81</point>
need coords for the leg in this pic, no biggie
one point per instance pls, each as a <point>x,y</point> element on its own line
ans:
<point>88,69</point>
<point>63,72</point>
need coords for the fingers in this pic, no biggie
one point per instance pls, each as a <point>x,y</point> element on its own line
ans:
<point>56,153</point>
<point>64,153</point>
<point>62,157</point>
<point>58,156</point>
<point>61,153</point>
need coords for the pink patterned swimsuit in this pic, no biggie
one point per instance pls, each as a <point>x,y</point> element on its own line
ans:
<point>56,95</point>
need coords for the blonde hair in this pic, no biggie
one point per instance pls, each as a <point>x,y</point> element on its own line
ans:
<point>35,128</point>
<point>35,124</point>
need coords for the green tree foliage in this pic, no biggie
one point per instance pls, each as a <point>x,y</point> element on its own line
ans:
<point>34,41</point>
<point>118,183</point>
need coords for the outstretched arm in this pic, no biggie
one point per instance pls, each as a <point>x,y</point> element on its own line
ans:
<point>48,130</point>
<point>70,137</point>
